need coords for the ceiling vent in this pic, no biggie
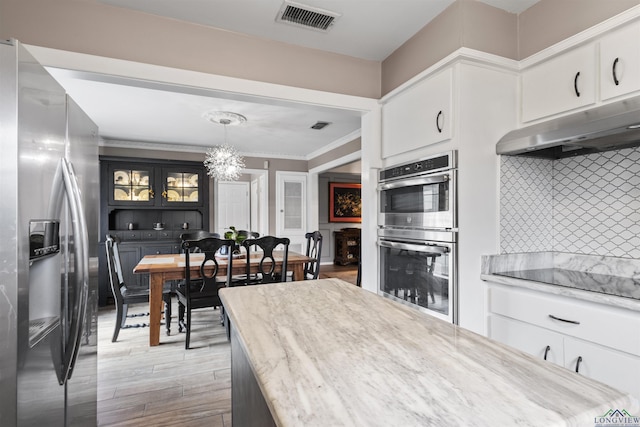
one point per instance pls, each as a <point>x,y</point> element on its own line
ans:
<point>320,125</point>
<point>306,16</point>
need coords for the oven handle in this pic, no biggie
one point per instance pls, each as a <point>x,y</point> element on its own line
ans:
<point>428,247</point>
<point>431,179</point>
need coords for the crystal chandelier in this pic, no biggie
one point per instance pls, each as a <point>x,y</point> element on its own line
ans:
<point>223,162</point>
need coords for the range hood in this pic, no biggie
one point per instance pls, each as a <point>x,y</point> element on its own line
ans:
<point>609,127</point>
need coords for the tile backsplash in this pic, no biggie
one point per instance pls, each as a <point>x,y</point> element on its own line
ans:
<point>585,205</point>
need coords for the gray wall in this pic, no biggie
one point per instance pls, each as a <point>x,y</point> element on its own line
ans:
<point>90,27</point>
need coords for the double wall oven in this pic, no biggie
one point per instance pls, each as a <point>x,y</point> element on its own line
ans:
<point>417,234</point>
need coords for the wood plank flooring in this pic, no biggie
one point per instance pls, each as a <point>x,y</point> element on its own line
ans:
<point>167,385</point>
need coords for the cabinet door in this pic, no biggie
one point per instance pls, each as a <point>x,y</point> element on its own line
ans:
<point>182,187</point>
<point>130,185</point>
<point>620,62</point>
<point>419,116</point>
<point>560,84</point>
<point>528,338</point>
<point>617,369</point>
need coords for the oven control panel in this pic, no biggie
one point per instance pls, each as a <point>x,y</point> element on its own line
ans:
<point>428,165</point>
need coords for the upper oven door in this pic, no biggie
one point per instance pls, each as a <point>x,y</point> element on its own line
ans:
<point>419,202</point>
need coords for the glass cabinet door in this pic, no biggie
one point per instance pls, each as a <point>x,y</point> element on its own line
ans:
<point>181,187</point>
<point>131,186</point>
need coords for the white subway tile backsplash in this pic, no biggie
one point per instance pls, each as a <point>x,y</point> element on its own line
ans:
<point>585,205</point>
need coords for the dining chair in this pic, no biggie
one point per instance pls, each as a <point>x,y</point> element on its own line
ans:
<point>124,295</point>
<point>267,271</point>
<point>203,291</point>
<point>314,250</point>
<point>197,235</point>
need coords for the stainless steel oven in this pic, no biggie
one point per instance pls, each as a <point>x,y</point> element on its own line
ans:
<point>417,235</point>
<point>421,194</point>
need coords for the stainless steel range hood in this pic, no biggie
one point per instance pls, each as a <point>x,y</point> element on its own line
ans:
<point>609,127</point>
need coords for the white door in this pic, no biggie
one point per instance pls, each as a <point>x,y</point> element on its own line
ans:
<point>291,208</point>
<point>255,205</point>
<point>232,208</point>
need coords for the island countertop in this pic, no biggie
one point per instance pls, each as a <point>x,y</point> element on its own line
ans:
<point>327,353</point>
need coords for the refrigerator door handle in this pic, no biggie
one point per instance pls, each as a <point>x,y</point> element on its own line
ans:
<point>81,257</point>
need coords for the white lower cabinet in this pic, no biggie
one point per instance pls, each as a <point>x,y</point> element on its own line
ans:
<point>600,341</point>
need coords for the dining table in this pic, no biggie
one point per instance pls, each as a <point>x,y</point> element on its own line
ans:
<point>164,267</point>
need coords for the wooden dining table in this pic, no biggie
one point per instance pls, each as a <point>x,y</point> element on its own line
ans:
<point>165,267</point>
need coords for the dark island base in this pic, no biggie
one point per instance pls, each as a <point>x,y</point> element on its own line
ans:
<point>248,407</point>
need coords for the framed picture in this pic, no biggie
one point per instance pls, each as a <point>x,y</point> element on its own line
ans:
<point>345,204</point>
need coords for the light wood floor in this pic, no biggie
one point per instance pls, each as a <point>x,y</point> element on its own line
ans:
<point>167,385</point>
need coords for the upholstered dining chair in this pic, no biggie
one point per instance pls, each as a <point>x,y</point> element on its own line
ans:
<point>203,291</point>
<point>267,271</point>
<point>124,295</point>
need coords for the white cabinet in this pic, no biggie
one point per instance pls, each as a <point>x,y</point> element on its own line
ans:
<point>602,342</point>
<point>539,342</point>
<point>563,83</point>
<point>418,116</point>
<point>620,62</point>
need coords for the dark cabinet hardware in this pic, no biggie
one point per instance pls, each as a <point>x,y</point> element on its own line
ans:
<point>578,364</point>
<point>575,83</point>
<point>438,122</point>
<point>546,352</point>
<point>575,322</point>
<point>613,71</point>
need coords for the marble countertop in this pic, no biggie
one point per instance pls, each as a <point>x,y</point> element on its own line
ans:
<point>327,353</point>
<point>606,280</point>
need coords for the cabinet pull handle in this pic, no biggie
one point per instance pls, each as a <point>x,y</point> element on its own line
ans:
<point>578,364</point>
<point>575,322</point>
<point>438,121</point>
<point>546,351</point>
<point>613,71</point>
<point>575,83</point>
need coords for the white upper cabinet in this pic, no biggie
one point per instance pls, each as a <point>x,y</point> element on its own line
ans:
<point>563,83</point>
<point>419,116</point>
<point>620,62</point>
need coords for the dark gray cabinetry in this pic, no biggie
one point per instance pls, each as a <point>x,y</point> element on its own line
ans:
<point>137,193</point>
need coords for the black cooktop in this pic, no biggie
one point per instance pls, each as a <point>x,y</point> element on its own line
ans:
<point>601,283</point>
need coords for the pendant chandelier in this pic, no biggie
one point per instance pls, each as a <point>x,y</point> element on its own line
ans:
<point>223,162</point>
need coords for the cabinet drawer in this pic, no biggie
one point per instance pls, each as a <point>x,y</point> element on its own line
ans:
<point>608,326</point>
<point>528,338</point>
<point>619,370</point>
<point>129,235</point>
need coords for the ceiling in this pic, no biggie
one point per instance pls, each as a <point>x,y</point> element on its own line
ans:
<point>168,117</point>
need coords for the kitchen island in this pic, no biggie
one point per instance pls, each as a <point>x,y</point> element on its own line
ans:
<point>327,353</point>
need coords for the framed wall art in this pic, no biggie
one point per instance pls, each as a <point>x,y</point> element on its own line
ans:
<point>345,204</point>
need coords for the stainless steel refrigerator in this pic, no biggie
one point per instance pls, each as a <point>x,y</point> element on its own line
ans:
<point>48,245</point>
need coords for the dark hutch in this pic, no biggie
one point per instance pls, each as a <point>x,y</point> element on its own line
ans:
<point>148,204</point>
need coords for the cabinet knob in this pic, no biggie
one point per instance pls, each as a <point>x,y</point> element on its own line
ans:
<point>578,364</point>
<point>575,84</point>
<point>438,122</point>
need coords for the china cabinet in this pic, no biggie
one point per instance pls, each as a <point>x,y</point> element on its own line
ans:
<point>148,204</point>
<point>347,250</point>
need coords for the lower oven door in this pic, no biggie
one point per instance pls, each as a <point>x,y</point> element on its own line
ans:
<point>422,275</point>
